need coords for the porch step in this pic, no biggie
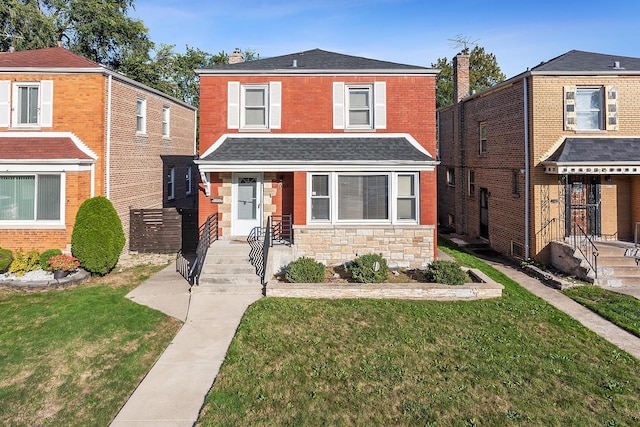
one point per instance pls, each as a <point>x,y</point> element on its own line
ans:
<point>616,282</point>
<point>227,270</point>
<point>615,261</point>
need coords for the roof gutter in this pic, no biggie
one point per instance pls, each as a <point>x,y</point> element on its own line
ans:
<point>527,173</point>
<point>299,71</point>
<point>107,167</point>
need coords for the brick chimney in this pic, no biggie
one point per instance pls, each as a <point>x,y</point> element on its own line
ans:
<point>460,77</point>
<point>236,57</point>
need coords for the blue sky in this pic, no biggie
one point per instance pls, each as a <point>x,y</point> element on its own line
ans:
<point>417,32</point>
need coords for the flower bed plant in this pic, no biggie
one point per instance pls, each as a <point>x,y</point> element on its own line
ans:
<point>63,262</point>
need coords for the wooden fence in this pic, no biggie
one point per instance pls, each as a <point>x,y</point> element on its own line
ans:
<point>163,230</point>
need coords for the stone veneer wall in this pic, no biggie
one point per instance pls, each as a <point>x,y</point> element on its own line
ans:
<point>410,246</point>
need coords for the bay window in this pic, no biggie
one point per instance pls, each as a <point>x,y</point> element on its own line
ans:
<point>31,197</point>
<point>355,197</point>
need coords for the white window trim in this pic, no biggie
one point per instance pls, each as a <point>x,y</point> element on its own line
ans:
<point>377,105</point>
<point>143,114</point>
<point>392,182</point>
<point>347,109</point>
<point>189,180</point>
<point>16,105</point>
<point>312,196</point>
<point>171,184</point>
<point>602,114</point>
<point>243,110</point>
<point>166,120</point>
<point>35,223</point>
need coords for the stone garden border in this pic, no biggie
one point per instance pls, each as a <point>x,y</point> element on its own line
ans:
<point>71,279</point>
<point>486,288</point>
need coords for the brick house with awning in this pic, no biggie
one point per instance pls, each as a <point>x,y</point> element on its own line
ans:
<point>343,144</point>
<point>71,129</point>
<point>546,155</point>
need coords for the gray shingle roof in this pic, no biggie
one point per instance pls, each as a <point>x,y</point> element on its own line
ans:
<point>597,150</point>
<point>315,59</point>
<point>315,149</point>
<point>580,61</point>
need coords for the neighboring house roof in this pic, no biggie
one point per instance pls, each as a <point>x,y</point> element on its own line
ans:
<point>316,152</point>
<point>44,147</point>
<point>53,57</point>
<point>579,62</point>
<point>595,155</point>
<point>317,61</point>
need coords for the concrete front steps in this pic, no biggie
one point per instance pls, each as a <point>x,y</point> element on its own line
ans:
<point>227,270</point>
<point>615,269</point>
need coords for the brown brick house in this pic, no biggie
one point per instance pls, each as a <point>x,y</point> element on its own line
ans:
<point>343,144</point>
<point>543,155</point>
<point>71,129</point>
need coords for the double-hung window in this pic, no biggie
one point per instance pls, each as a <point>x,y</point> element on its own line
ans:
<point>359,106</point>
<point>483,137</point>
<point>26,104</point>
<point>171,183</point>
<point>254,106</point>
<point>357,198</point>
<point>166,122</point>
<point>141,115</point>
<point>31,198</point>
<point>590,108</point>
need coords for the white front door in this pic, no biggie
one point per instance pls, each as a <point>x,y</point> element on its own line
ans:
<point>247,203</point>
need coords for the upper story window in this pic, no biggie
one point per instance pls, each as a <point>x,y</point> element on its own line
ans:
<point>254,106</point>
<point>356,198</point>
<point>472,183</point>
<point>26,104</point>
<point>451,177</point>
<point>188,180</point>
<point>171,183</point>
<point>359,106</point>
<point>31,198</point>
<point>166,121</point>
<point>141,115</point>
<point>590,108</point>
<point>483,137</point>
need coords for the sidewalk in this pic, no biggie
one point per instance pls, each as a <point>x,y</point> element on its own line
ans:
<point>173,391</point>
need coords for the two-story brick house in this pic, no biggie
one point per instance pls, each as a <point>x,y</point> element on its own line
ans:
<point>71,129</point>
<point>344,144</point>
<point>547,154</point>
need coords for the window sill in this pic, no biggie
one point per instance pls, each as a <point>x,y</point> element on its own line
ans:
<point>31,226</point>
<point>583,131</point>
<point>166,138</point>
<point>24,128</point>
<point>142,134</point>
<point>515,196</point>
<point>360,130</point>
<point>254,130</point>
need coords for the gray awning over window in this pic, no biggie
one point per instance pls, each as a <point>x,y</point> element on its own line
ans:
<point>595,156</point>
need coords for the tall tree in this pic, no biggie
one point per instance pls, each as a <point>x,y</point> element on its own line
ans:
<point>99,30</point>
<point>484,72</point>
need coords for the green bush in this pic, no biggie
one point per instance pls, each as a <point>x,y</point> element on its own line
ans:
<point>305,270</point>
<point>97,238</point>
<point>445,272</point>
<point>24,262</point>
<point>44,258</point>
<point>371,268</point>
<point>6,258</point>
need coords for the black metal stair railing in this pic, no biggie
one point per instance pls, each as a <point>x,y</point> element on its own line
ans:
<point>191,269</point>
<point>260,239</point>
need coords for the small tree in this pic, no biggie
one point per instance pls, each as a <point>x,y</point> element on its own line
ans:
<point>369,268</point>
<point>97,238</point>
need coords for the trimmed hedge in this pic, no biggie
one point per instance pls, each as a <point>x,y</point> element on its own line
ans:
<point>24,262</point>
<point>98,237</point>
<point>445,272</point>
<point>44,258</point>
<point>305,270</point>
<point>371,268</point>
<point>6,258</point>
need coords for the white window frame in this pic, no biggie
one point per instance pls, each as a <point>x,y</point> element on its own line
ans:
<point>313,196</point>
<point>482,133</point>
<point>377,105</point>
<point>189,181</point>
<point>600,110</point>
<point>397,196</point>
<point>369,108</point>
<point>166,121</point>
<point>243,106</point>
<point>36,223</point>
<point>141,116</point>
<point>392,202</point>
<point>171,184</point>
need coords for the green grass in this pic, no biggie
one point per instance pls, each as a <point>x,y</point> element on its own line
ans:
<point>623,310</point>
<point>72,357</point>
<point>509,361</point>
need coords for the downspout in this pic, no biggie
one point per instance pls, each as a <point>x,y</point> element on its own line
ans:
<point>527,171</point>
<point>107,165</point>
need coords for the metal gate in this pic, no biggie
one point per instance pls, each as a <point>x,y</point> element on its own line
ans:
<point>583,204</point>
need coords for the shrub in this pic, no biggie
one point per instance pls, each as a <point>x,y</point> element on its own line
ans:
<point>305,270</point>
<point>445,272</point>
<point>44,258</point>
<point>371,268</point>
<point>97,238</point>
<point>6,257</point>
<point>24,262</point>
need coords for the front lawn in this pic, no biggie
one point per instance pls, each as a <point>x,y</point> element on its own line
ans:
<point>72,357</point>
<point>623,310</point>
<point>509,361</point>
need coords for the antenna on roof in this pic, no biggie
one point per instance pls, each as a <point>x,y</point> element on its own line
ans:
<point>460,41</point>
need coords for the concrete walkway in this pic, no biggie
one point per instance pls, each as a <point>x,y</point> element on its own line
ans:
<point>173,391</point>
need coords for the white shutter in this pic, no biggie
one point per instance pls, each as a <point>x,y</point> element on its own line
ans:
<point>233,105</point>
<point>570,108</point>
<point>5,103</point>
<point>611,106</point>
<point>46,103</point>
<point>338,105</point>
<point>275,105</point>
<point>380,102</point>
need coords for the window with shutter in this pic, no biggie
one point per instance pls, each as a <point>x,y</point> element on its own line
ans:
<point>570,108</point>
